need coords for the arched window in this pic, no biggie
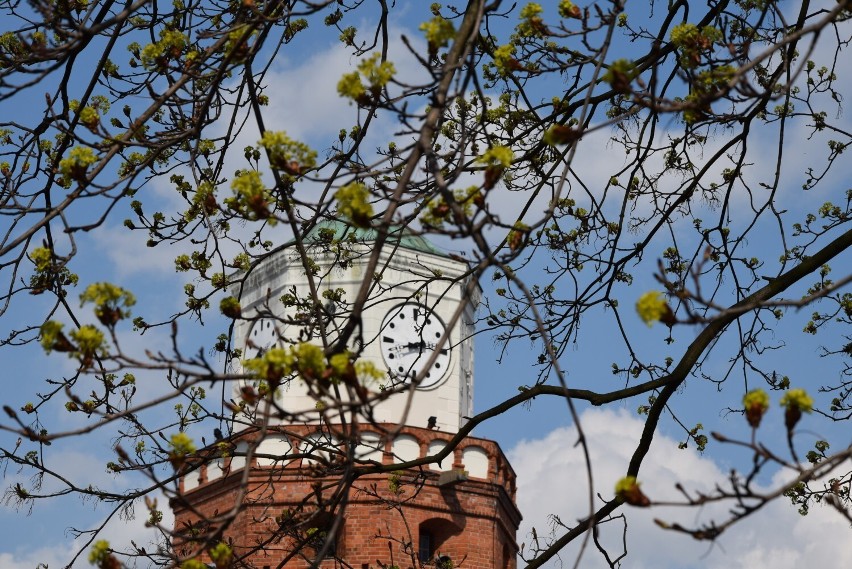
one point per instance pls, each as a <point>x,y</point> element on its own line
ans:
<point>322,445</point>
<point>371,447</point>
<point>319,535</point>
<point>405,448</point>
<point>425,546</point>
<point>273,450</point>
<point>238,460</point>
<point>475,461</point>
<point>434,538</point>
<point>435,447</point>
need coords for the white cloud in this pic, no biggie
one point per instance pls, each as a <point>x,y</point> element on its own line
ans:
<point>303,101</point>
<point>315,80</point>
<point>552,481</point>
<point>303,97</point>
<point>118,532</point>
<point>52,556</point>
<point>129,255</point>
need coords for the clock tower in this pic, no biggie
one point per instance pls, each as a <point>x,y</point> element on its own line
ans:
<point>416,326</point>
<point>407,393</point>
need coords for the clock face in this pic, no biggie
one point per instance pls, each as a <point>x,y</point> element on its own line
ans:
<point>409,337</point>
<point>262,336</point>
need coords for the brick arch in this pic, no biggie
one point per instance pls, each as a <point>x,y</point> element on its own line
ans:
<point>477,461</point>
<point>238,459</point>
<point>507,556</point>
<point>436,446</point>
<point>276,447</point>
<point>317,533</point>
<point>406,447</point>
<point>321,444</point>
<point>435,536</point>
<point>370,447</point>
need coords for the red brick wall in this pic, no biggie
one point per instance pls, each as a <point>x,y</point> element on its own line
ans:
<point>475,520</point>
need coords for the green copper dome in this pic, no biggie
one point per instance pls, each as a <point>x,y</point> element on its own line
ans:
<point>341,230</point>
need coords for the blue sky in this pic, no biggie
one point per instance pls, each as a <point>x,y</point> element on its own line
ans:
<point>539,439</point>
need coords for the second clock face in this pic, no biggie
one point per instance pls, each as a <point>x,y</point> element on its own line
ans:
<point>261,337</point>
<point>409,336</point>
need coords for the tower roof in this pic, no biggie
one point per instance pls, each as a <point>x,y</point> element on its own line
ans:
<point>402,235</point>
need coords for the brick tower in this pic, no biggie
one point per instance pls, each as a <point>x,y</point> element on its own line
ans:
<point>363,478</point>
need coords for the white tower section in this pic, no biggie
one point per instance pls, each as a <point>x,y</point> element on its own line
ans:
<point>416,294</point>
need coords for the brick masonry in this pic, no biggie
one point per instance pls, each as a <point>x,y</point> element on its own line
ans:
<point>409,517</point>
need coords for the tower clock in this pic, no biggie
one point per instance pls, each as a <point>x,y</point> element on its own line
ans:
<point>262,336</point>
<point>417,325</point>
<point>409,339</point>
